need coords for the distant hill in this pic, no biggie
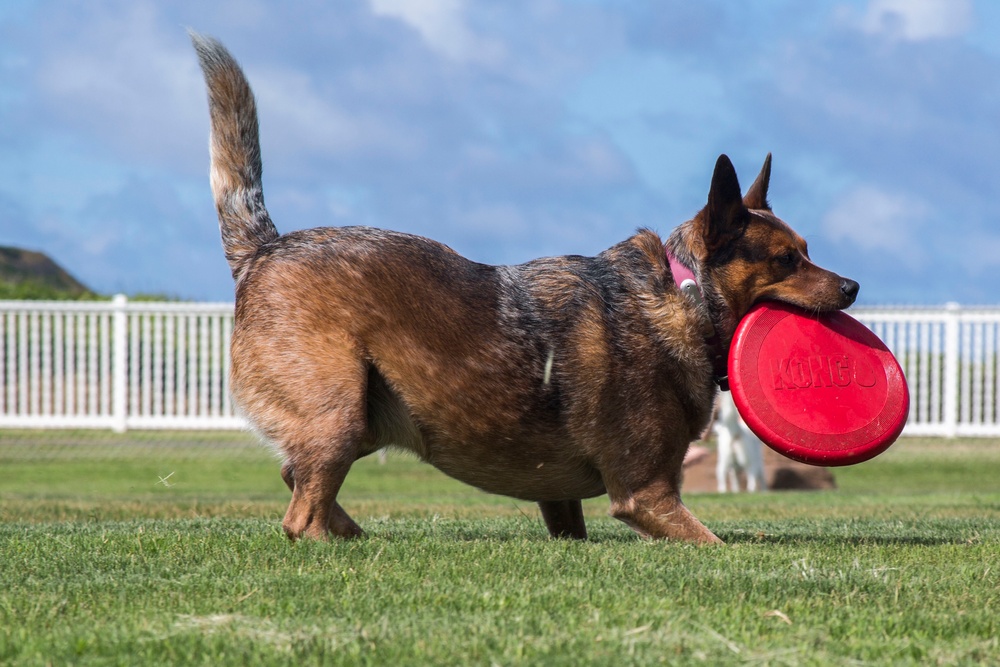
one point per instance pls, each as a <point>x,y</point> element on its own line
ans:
<point>25,274</point>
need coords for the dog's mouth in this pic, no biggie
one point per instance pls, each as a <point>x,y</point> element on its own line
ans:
<point>827,301</point>
<point>823,296</point>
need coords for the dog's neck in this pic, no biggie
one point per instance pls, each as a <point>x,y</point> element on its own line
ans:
<point>690,284</point>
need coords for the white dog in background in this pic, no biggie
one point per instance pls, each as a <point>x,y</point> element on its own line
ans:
<point>739,449</point>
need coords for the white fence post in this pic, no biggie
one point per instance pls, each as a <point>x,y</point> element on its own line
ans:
<point>120,364</point>
<point>951,361</point>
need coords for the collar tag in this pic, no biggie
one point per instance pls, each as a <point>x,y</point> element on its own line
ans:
<point>690,289</point>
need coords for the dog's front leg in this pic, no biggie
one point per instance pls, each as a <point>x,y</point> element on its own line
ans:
<point>564,518</point>
<point>655,510</point>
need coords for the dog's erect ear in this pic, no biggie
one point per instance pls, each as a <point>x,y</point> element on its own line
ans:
<point>725,211</point>
<point>757,194</point>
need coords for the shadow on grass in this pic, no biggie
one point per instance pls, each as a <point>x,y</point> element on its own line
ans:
<point>540,536</point>
<point>529,530</point>
<point>832,539</point>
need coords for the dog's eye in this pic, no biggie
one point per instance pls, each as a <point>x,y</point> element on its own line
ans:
<point>787,260</point>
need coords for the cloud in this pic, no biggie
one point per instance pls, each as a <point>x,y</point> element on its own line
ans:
<point>917,20</point>
<point>141,237</point>
<point>444,119</point>
<point>507,130</point>
<point>307,121</point>
<point>442,24</point>
<point>119,78</point>
<point>912,117</point>
<point>874,220</point>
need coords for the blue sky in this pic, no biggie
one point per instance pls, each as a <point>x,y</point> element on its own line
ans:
<point>511,129</point>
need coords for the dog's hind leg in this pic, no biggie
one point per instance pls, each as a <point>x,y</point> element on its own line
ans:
<point>316,469</point>
<point>315,412</point>
<point>564,518</point>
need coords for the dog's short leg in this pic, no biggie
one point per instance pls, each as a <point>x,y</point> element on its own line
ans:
<point>564,518</point>
<point>655,510</point>
<point>313,409</point>
<point>314,511</point>
<point>320,453</point>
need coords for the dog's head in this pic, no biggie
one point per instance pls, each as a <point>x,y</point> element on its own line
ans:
<point>744,254</point>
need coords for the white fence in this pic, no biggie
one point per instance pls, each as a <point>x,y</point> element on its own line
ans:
<point>950,358</point>
<point>115,365</point>
<point>123,365</point>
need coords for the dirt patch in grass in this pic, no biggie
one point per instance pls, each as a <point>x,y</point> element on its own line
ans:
<point>781,474</point>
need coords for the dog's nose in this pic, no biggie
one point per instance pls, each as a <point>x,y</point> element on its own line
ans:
<point>850,289</point>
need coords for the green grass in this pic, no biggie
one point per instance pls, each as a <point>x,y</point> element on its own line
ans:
<point>167,549</point>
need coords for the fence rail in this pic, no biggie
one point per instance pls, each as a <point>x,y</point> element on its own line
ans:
<point>125,365</point>
<point>116,364</point>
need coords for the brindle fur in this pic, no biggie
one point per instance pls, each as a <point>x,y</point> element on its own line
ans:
<point>559,379</point>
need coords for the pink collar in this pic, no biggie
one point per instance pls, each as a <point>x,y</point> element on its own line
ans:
<point>687,283</point>
<point>681,273</point>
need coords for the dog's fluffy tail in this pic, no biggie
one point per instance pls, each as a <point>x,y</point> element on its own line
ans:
<point>235,148</point>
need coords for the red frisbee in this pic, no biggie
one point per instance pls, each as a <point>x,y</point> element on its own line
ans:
<point>822,390</point>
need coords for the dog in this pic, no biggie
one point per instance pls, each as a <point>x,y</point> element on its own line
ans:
<point>739,449</point>
<point>552,381</point>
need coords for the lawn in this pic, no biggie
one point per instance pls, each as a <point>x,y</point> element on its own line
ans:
<point>167,549</point>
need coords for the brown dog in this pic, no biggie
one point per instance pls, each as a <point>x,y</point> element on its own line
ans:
<point>552,381</point>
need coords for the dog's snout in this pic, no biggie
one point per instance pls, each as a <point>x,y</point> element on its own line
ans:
<point>849,289</point>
